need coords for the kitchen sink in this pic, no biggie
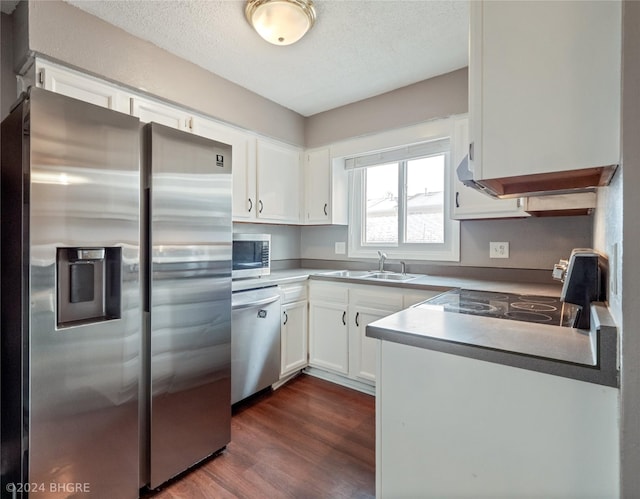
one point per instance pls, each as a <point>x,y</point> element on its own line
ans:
<point>347,273</point>
<point>371,275</point>
<point>390,276</point>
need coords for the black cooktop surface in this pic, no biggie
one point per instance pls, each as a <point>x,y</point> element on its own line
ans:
<point>527,308</point>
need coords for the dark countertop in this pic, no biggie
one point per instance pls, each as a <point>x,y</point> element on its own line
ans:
<point>424,282</point>
<point>589,356</point>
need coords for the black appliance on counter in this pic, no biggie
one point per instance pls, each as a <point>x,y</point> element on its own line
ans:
<point>584,278</point>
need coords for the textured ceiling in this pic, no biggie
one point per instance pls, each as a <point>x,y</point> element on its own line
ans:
<point>357,48</point>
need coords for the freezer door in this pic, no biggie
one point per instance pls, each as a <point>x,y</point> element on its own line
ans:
<point>80,384</point>
<point>189,337</point>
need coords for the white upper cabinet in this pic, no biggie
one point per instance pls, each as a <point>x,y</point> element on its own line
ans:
<point>148,110</point>
<point>325,190</point>
<point>243,164</point>
<point>269,181</point>
<point>468,203</point>
<point>279,182</point>
<point>78,86</point>
<point>544,93</point>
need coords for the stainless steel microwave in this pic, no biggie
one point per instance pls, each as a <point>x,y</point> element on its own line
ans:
<point>251,255</point>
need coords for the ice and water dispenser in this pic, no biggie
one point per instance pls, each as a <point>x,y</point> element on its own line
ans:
<point>89,285</point>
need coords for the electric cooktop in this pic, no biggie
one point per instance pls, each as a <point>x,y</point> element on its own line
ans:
<point>527,308</point>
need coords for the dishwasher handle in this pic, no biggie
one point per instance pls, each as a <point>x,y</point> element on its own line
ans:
<point>256,303</point>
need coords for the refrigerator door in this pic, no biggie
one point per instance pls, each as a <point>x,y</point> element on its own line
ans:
<point>189,329</point>
<point>74,424</point>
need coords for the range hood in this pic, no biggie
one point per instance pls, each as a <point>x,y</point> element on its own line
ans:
<point>563,182</point>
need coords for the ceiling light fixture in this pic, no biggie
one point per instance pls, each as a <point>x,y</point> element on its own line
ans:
<point>281,22</point>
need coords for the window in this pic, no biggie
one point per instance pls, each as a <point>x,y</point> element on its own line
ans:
<point>400,204</point>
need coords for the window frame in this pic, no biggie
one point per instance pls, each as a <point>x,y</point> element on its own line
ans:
<point>448,251</point>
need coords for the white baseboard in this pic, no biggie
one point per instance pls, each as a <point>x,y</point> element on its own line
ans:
<point>341,380</point>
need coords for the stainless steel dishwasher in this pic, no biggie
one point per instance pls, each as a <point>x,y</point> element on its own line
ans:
<point>255,341</point>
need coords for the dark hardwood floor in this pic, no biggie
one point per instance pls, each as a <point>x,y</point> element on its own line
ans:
<point>308,439</point>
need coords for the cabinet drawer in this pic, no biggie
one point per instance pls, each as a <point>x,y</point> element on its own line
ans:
<point>388,299</point>
<point>293,292</point>
<point>336,293</point>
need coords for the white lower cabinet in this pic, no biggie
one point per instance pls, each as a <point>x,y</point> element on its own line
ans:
<point>294,339</point>
<point>366,305</point>
<point>328,333</point>
<point>338,318</point>
<point>451,426</point>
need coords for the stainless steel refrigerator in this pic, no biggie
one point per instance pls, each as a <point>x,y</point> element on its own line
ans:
<point>187,185</point>
<point>115,366</point>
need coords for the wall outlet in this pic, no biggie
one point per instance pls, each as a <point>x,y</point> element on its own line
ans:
<point>341,248</point>
<point>498,250</point>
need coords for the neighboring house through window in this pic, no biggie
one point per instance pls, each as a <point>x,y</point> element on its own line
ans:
<point>400,203</point>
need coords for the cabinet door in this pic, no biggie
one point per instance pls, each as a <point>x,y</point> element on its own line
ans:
<point>328,336</point>
<point>294,345</point>
<point>467,202</point>
<point>366,305</point>
<point>244,204</point>
<point>326,190</point>
<point>278,182</point>
<point>72,84</point>
<point>318,187</point>
<point>245,197</point>
<point>148,110</point>
<point>364,361</point>
<point>544,80</point>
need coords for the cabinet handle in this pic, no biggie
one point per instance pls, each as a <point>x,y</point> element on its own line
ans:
<point>325,210</point>
<point>344,318</point>
<point>357,315</point>
<point>471,151</point>
<point>250,205</point>
<point>457,199</point>
<point>260,203</point>
<point>286,318</point>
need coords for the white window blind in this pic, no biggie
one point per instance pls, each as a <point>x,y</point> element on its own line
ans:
<point>399,154</point>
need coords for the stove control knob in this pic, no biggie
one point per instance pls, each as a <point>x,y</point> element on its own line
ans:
<point>560,270</point>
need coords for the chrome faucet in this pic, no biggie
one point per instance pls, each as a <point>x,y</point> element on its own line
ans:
<point>382,257</point>
<point>403,268</point>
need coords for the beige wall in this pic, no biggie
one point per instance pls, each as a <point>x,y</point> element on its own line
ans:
<point>630,368</point>
<point>434,98</point>
<point>535,243</point>
<point>74,37</point>
<point>65,33</point>
<point>617,235</point>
